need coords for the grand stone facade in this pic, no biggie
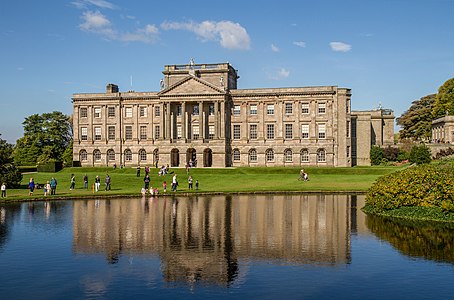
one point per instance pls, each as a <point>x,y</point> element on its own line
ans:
<point>199,116</point>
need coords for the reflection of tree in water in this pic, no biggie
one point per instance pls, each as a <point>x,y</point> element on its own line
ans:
<point>419,239</point>
<point>7,216</point>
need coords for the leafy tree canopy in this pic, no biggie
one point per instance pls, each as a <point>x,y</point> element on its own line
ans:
<point>416,122</point>
<point>8,172</point>
<point>45,139</point>
<point>444,102</point>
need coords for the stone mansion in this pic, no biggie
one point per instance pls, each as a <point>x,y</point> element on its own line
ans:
<point>200,117</point>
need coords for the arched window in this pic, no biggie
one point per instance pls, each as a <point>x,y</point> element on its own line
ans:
<point>253,155</point>
<point>304,155</point>
<point>321,155</point>
<point>288,155</point>
<point>142,155</point>
<point>236,155</point>
<point>97,155</point>
<point>83,155</point>
<point>269,154</point>
<point>155,156</point>
<point>111,155</point>
<point>128,155</point>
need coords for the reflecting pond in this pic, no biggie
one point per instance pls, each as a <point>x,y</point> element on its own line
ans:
<point>300,246</point>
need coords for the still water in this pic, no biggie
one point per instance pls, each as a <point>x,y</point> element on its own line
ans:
<point>241,246</point>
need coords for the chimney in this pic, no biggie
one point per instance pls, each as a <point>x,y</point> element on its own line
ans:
<point>112,88</point>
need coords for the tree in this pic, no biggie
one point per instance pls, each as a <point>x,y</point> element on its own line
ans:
<point>376,155</point>
<point>416,122</point>
<point>8,171</point>
<point>420,155</point>
<point>444,102</point>
<point>45,139</point>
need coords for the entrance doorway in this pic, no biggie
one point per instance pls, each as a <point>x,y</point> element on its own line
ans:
<point>175,158</point>
<point>207,158</point>
<point>191,157</point>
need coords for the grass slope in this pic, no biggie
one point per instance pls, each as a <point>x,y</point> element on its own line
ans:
<point>279,179</point>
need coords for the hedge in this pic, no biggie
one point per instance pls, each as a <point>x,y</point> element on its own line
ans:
<point>425,185</point>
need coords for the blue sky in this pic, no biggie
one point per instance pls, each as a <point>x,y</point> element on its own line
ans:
<point>389,51</point>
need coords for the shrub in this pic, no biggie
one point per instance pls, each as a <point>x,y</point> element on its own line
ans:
<point>420,155</point>
<point>376,155</point>
<point>426,185</point>
<point>391,153</point>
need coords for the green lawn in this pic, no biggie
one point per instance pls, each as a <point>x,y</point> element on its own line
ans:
<point>279,179</point>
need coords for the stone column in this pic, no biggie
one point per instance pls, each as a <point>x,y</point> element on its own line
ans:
<point>201,121</point>
<point>216,120</point>
<point>222,120</point>
<point>168,125</point>
<point>162,123</point>
<point>184,119</point>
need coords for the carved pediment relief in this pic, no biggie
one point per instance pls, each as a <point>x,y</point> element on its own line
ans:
<point>191,85</point>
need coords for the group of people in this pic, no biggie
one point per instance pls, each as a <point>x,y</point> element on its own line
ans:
<point>49,188</point>
<point>163,171</point>
<point>96,184</point>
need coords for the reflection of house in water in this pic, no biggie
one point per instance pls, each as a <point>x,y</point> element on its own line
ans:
<point>203,238</point>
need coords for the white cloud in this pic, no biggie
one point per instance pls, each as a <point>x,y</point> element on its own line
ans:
<point>230,35</point>
<point>97,23</point>
<point>148,34</point>
<point>340,47</point>
<point>300,44</point>
<point>83,4</point>
<point>274,48</point>
<point>279,74</point>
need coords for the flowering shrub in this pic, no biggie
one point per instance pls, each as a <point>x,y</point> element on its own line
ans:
<point>425,185</point>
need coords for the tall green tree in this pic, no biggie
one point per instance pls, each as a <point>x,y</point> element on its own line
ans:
<point>8,171</point>
<point>45,139</point>
<point>444,102</point>
<point>416,122</point>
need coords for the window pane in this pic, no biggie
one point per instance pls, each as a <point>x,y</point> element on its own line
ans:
<point>111,133</point>
<point>270,109</point>
<point>270,131</point>
<point>305,131</point>
<point>288,131</point>
<point>305,108</point>
<point>143,132</point>
<point>83,112</point>
<point>253,109</point>
<point>236,132</point>
<point>237,110</point>
<point>111,112</point>
<point>236,155</point>
<point>128,133</point>
<point>253,131</point>
<point>97,133</point>
<point>288,108</point>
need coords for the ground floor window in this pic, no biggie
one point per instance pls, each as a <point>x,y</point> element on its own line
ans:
<point>253,155</point>
<point>83,155</point>
<point>236,155</point>
<point>321,155</point>
<point>128,155</point>
<point>288,155</point>
<point>269,155</point>
<point>304,155</point>
<point>97,155</point>
<point>142,155</point>
<point>111,155</point>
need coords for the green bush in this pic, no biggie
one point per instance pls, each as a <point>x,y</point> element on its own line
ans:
<point>420,155</point>
<point>425,185</point>
<point>376,155</point>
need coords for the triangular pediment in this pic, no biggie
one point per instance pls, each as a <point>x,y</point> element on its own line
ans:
<point>191,85</point>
